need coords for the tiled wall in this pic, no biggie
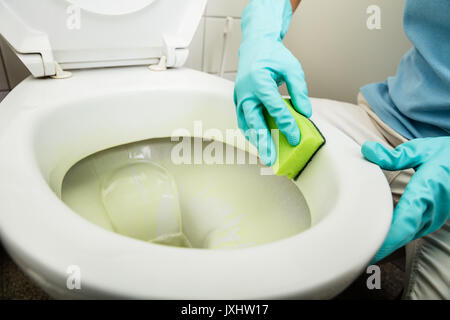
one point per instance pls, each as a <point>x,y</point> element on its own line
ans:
<point>207,45</point>
<point>330,38</point>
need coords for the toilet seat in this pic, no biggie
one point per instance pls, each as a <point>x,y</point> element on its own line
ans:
<point>47,125</point>
<point>78,34</point>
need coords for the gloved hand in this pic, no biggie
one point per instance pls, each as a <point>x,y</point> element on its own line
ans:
<point>425,205</point>
<point>265,64</point>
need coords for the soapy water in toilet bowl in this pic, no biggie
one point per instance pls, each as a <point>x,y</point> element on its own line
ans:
<point>141,200</point>
<point>136,190</point>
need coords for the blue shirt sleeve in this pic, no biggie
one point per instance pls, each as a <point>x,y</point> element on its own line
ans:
<point>416,101</point>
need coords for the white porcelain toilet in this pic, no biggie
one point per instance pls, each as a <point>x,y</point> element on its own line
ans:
<point>49,124</point>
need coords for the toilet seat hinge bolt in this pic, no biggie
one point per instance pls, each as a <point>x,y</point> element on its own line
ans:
<point>60,73</point>
<point>161,66</point>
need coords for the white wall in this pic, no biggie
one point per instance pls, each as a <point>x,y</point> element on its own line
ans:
<point>330,38</point>
<point>338,52</point>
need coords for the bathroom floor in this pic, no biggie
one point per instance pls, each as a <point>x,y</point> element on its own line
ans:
<point>15,285</point>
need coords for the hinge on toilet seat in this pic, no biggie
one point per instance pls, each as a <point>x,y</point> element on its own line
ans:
<point>60,73</point>
<point>161,66</point>
<point>171,56</point>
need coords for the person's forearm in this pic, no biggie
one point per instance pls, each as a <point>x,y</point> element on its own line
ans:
<point>295,4</point>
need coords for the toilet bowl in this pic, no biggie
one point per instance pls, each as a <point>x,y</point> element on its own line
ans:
<point>43,135</point>
<point>48,125</point>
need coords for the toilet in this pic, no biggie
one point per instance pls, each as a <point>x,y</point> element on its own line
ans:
<point>116,78</point>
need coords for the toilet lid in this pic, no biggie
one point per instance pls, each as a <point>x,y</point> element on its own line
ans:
<point>99,33</point>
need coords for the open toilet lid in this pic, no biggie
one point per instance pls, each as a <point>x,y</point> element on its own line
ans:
<point>98,33</point>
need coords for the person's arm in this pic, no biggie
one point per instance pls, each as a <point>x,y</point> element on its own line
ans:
<point>295,4</point>
<point>264,64</point>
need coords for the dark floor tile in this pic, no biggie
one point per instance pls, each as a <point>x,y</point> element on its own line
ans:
<point>15,285</point>
<point>2,253</point>
<point>392,281</point>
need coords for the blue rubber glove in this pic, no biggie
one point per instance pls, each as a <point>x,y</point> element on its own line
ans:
<point>425,205</point>
<point>265,64</point>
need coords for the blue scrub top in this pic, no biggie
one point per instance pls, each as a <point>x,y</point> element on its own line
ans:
<point>416,102</point>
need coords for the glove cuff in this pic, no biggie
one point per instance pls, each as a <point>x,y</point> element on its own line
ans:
<point>266,19</point>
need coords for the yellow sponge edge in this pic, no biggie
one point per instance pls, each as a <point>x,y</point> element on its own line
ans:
<point>292,160</point>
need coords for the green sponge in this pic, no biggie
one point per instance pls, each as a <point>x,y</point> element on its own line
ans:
<point>292,160</point>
